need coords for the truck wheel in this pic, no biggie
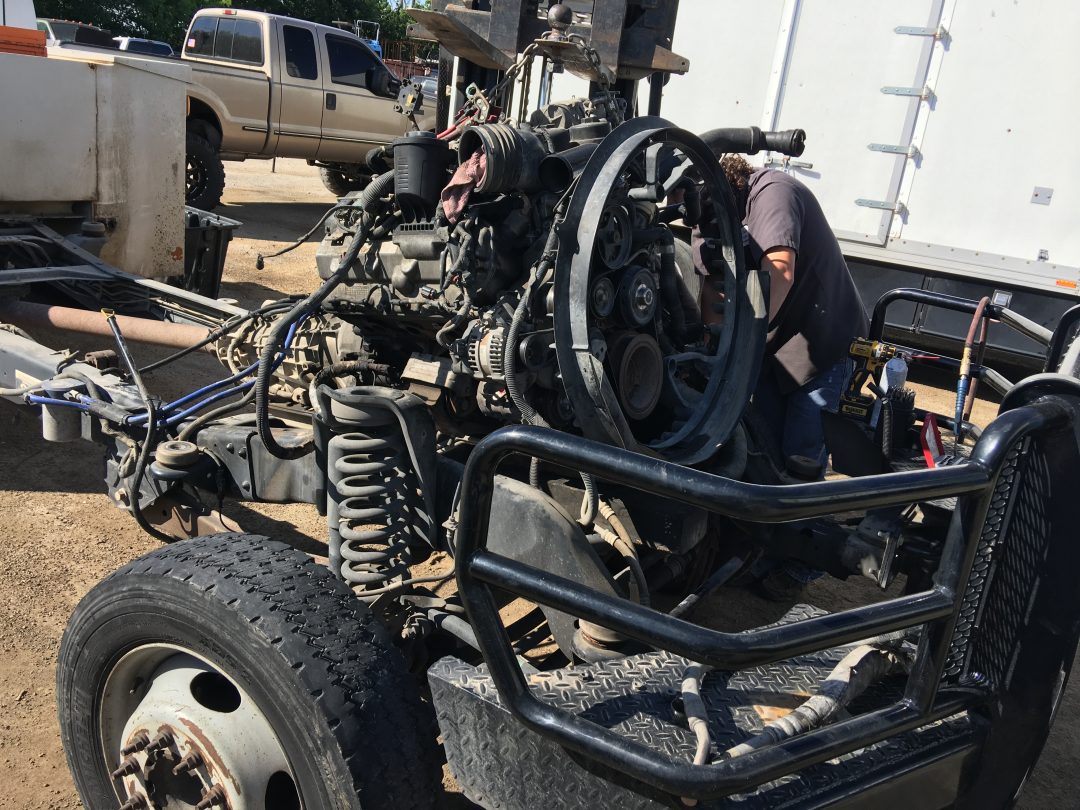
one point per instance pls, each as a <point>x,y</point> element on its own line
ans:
<point>205,173</point>
<point>338,184</point>
<point>232,671</point>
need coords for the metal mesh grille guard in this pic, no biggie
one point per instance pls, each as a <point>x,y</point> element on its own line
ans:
<point>977,483</point>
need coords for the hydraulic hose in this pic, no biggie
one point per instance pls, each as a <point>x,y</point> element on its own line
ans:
<point>860,669</point>
<point>619,538</point>
<point>376,189</point>
<point>442,337</point>
<point>697,716</point>
<point>639,585</point>
<point>964,382</point>
<point>589,502</point>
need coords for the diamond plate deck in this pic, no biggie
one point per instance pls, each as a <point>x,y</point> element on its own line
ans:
<point>502,765</point>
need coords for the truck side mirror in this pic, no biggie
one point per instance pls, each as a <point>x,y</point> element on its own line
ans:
<point>381,82</point>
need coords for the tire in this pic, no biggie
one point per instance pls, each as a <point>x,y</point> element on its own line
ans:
<point>338,184</point>
<point>1070,362</point>
<point>1060,687</point>
<point>247,632</point>
<point>205,178</point>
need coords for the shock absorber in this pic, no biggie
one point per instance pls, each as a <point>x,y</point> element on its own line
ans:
<point>377,504</point>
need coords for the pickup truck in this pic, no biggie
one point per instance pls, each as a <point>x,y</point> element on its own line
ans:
<point>267,86</point>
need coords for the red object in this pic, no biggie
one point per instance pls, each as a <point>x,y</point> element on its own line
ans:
<point>930,436</point>
<point>22,40</point>
<point>468,175</point>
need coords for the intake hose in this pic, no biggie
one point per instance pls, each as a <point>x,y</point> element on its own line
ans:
<point>512,157</point>
<point>751,140</point>
<point>365,200</point>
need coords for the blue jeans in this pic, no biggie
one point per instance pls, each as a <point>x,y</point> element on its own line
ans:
<point>795,421</point>
<point>795,418</point>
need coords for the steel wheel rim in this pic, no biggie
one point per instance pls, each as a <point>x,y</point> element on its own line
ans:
<point>175,729</point>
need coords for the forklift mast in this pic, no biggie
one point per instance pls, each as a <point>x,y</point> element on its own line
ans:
<point>633,42</point>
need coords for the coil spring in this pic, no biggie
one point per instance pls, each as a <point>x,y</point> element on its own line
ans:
<point>373,495</point>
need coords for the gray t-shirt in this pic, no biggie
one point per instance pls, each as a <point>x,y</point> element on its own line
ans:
<point>822,312</point>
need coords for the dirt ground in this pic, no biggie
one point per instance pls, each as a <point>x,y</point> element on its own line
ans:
<point>61,534</point>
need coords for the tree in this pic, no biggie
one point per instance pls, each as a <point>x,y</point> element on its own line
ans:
<point>167,20</point>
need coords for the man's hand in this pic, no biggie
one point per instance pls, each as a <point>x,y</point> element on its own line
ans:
<point>780,262</point>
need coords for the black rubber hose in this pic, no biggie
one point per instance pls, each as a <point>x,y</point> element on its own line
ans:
<point>330,372</point>
<point>442,337</point>
<point>751,140</point>
<point>193,427</point>
<point>140,471</point>
<point>260,259</point>
<point>217,333</point>
<point>529,414</point>
<point>376,189</point>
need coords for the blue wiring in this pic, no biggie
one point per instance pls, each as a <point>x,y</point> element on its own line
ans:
<point>176,419</point>
<point>207,389</point>
<point>216,386</point>
<point>38,400</point>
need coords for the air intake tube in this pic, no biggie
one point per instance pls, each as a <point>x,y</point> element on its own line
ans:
<point>559,170</point>
<point>512,157</point>
<point>751,140</point>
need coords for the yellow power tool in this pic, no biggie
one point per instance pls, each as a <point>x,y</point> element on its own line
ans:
<point>870,356</point>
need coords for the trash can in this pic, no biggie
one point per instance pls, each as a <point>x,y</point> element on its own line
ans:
<point>206,241</point>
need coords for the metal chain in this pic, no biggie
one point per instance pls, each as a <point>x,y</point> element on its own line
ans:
<point>593,57</point>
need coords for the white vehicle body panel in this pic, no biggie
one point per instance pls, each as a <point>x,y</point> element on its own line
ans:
<point>966,182</point>
<point>105,131</point>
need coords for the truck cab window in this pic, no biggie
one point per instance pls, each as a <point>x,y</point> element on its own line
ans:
<point>301,61</point>
<point>231,39</point>
<point>247,42</point>
<point>200,41</point>
<point>349,61</point>
<point>223,43</point>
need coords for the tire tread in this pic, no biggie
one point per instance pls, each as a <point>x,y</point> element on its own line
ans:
<point>341,655</point>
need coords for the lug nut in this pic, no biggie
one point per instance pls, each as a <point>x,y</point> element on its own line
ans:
<point>129,766</point>
<point>214,797</point>
<point>161,741</point>
<point>136,802</point>
<point>188,763</point>
<point>138,743</point>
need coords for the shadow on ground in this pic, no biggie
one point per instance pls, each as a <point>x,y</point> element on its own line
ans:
<point>274,221</point>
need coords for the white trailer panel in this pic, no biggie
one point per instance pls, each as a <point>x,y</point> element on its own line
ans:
<point>48,129</point>
<point>998,173</point>
<point>968,181</point>
<point>103,130</point>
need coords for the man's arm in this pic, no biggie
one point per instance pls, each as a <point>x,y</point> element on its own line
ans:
<point>780,262</point>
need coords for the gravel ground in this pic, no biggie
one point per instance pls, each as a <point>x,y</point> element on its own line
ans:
<point>61,534</point>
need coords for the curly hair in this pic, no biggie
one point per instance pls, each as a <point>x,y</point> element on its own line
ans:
<point>738,171</point>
